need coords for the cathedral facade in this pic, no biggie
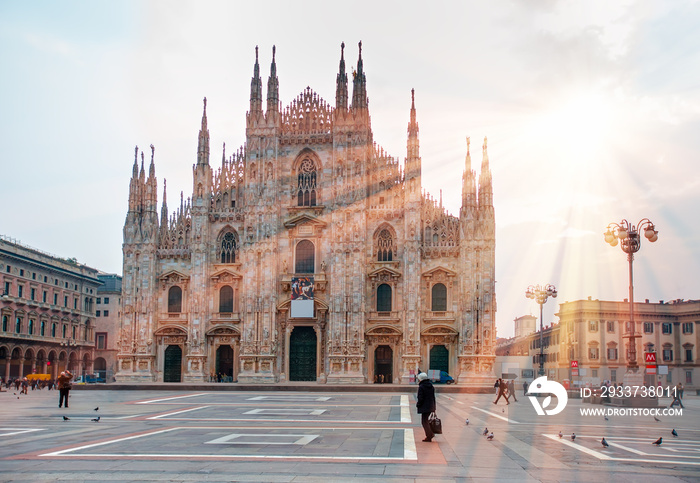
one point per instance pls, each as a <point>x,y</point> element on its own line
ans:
<point>398,283</point>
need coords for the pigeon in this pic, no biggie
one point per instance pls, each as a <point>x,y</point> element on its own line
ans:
<point>604,443</point>
<point>674,433</point>
<point>658,442</point>
<point>97,408</point>
<point>656,419</point>
<point>573,436</point>
<point>467,422</point>
<point>66,418</point>
<point>503,410</point>
<point>606,418</point>
<point>490,436</point>
<point>97,419</point>
<point>486,431</point>
<point>560,435</point>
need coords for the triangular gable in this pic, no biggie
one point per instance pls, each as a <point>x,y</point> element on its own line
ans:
<point>384,271</point>
<point>302,219</point>
<point>224,272</point>
<point>173,276</point>
<point>436,270</point>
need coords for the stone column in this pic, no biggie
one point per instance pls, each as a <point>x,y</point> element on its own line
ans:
<point>21,367</point>
<point>8,363</point>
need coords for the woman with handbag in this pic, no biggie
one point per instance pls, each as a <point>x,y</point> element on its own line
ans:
<point>426,404</point>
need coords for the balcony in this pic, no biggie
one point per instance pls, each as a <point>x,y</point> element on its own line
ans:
<point>225,317</point>
<point>384,317</point>
<point>441,316</point>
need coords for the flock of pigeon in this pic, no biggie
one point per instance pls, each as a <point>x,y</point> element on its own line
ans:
<point>95,420</point>
<point>489,435</point>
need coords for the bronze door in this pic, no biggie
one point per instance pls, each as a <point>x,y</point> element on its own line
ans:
<point>172,371</point>
<point>224,361</point>
<point>302,354</point>
<point>383,363</point>
<point>439,358</point>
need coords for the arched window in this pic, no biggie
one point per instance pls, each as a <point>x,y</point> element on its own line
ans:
<point>305,259</point>
<point>228,248</point>
<point>175,299</point>
<point>385,247</point>
<point>306,183</point>
<point>439,298</point>
<point>384,298</point>
<point>226,299</point>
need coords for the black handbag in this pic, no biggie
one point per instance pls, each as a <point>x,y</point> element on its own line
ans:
<point>435,423</point>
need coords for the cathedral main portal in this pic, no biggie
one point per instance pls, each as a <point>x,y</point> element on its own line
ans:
<point>302,354</point>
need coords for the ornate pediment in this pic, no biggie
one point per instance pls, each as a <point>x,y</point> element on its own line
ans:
<point>171,330</point>
<point>383,330</point>
<point>223,330</point>
<point>384,273</point>
<point>439,330</point>
<point>225,275</point>
<point>302,219</point>
<point>439,273</point>
<point>173,276</point>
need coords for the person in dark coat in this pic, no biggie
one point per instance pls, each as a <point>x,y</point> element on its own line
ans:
<point>64,386</point>
<point>502,387</point>
<point>426,404</point>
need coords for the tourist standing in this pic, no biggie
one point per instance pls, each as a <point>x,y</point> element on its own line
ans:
<point>426,404</point>
<point>64,387</point>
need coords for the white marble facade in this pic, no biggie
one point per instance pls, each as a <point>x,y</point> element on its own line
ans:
<point>400,283</point>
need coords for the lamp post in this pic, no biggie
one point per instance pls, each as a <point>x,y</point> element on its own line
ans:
<point>540,294</point>
<point>627,235</point>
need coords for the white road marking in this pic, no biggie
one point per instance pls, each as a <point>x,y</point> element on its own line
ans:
<point>618,445</point>
<point>177,412</point>
<point>405,409</point>
<point>88,446</point>
<point>289,398</point>
<point>18,431</point>
<point>409,445</point>
<point>286,412</point>
<point>171,398</point>
<point>300,439</point>
<point>579,447</point>
<point>496,415</point>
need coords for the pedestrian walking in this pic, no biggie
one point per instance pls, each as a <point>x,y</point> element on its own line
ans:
<point>511,390</point>
<point>25,386</point>
<point>524,388</point>
<point>676,397</point>
<point>64,387</point>
<point>502,387</point>
<point>425,404</point>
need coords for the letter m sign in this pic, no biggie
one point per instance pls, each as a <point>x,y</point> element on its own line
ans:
<point>650,357</point>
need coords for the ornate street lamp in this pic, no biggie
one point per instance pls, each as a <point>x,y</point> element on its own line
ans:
<point>627,235</point>
<point>540,294</point>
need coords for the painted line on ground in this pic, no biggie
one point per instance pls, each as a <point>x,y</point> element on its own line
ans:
<point>19,431</point>
<point>405,409</point>
<point>409,445</point>
<point>161,416</point>
<point>119,440</point>
<point>590,452</point>
<point>267,420</point>
<point>618,445</point>
<point>495,415</point>
<point>151,401</point>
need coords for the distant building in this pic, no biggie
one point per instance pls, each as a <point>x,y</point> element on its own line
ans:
<point>107,313</point>
<point>525,325</point>
<point>591,332</point>
<point>47,309</point>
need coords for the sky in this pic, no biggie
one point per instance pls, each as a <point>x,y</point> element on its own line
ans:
<point>592,112</point>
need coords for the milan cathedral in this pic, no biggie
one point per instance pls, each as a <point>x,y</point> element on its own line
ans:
<point>398,283</point>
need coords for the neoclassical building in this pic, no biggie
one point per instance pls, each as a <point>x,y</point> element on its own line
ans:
<point>398,282</point>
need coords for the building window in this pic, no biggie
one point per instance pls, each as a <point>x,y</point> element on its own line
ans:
<point>98,313</point>
<point>73,332</point>
<point>45,279</point>
<point>439,298</point>
<point>101,340</point>
<point>384,298</point>
<point>175,299</point>
<point>228,248</point>
<point>20,291</point>
<point>21,272</point>
<point>55,299</point>
<point>75,304</point>
<point>106,313</point>
<point>689,355</point>
<point>32,293</point>
<point>593,353</point>
<point>688,327</point>
<point>30,328</point>
<point>305,259</point>
<point>7,288</point>
<point>611,327</point>
<point>666,328</point>
<point>648,327</point>
<point>612,353</point>
<point>4,323</point>
<point>33,275</point>
<point>53,330</point>
<point>43,298</point>
<point>668,355</point>
<point>306,184</point>
<point>43,329</point>
<point>613,375</point>
<point>9,269</point>
<point>106,300</point>
<point>594,372</point>
<point>65,300</point>
<point>593,326</point>
<point>99,300</point>
<point>385,246</point>
<point>226,299</point>
<point>688,377</point>
<point>18,325</point>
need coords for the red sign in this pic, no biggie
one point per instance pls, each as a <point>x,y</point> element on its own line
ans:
<point>574,371</point>
<point>651,370</point>
<point>650,357</point>
<point>574,363</point>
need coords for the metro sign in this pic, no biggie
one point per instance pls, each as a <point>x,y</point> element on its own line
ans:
<point>650,357</point>
<point>574,364</point>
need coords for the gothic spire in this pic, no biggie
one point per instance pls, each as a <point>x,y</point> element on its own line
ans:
<point>135,171</point>
<point>412,145</point>
<point>256,87</point>
<point>203,146</point>
<point>485,184</point>
<point>413,125</point>
<point>273,88</point>
<point>152,167</point>
<point>341,82</point>
<point>164,209</point>
<point>468,182</point>
<point>359,85</point>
